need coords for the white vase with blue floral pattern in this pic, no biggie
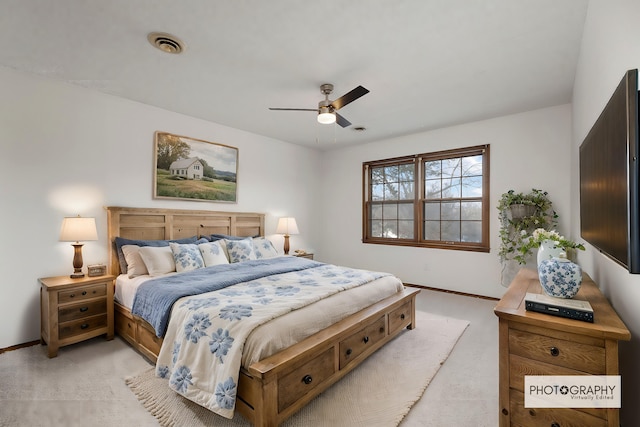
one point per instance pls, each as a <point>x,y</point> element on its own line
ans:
<point>560,277</point>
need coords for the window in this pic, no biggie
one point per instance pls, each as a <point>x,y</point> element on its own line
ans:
<point>438,200</point>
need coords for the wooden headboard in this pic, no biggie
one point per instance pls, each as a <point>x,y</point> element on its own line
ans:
<point>165,224</point>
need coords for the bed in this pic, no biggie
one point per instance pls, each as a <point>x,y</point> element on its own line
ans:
<point>273,381</point>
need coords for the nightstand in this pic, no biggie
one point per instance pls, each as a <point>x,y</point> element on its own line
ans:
<point>308,256</point>
<point>74,310</point>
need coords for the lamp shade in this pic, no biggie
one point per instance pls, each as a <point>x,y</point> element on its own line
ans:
<point>287,226</point>
<point>76,229</point>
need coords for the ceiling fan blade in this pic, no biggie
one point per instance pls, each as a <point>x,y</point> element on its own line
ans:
<point>342,121</point>
<point>294,109</point>
<point>349,97</point>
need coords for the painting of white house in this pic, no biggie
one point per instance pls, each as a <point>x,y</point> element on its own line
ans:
<point>193,169</point>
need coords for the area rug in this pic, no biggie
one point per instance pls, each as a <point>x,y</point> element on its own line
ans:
<point>380,392</point>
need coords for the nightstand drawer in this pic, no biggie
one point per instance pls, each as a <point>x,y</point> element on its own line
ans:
<point>82,310</point>
<point>81,326</point>
<point>82,293</point>
<point>555,351</point>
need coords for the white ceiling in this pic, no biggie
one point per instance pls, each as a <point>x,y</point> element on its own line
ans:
<point>428,63</point>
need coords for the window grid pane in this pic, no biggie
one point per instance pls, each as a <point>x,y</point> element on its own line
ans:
<point>392,194</point>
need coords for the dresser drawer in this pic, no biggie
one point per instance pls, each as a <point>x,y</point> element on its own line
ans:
<point>82,310</point>
<point>545,417</point>
<point>520,366</point>
<point>361,341</point>
<point>78,294</point>
<point>400,317</point>
<point>81,326</point>
<point>305,378</point>
<point>555,351</point>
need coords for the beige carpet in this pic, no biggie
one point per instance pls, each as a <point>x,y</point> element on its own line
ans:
<point>380,392</point>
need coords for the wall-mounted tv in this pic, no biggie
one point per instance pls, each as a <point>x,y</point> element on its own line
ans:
<point>609,178</point>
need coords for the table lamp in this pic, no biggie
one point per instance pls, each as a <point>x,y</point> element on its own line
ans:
<point>76,229</point>
<point>287,226</point>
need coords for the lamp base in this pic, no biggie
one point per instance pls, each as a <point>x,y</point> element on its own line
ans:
<point>77,261</point>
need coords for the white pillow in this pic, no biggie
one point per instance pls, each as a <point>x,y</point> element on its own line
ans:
<point>264,248</point>
<point>135,263</point>
<point>240,250</point>
<point>158,259</point>
<point>186,256</point>
<point>213,253</point>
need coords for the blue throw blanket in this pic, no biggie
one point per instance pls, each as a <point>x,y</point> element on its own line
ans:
<point>154,298</point>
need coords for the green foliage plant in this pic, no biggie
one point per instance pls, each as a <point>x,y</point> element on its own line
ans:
<point>515,233</point>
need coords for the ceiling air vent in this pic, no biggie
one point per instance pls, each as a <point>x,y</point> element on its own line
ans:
<point>166,42</point>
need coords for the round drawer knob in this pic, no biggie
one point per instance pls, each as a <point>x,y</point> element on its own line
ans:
<point>402,316</point>
<point>555,424</point>
<point>365,340</point>
<point>505,411</point>
<point>349,351</point>
<point>307,379</point>
<point>554,351</point>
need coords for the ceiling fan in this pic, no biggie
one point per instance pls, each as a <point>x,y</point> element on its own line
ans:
<point>327,109</point>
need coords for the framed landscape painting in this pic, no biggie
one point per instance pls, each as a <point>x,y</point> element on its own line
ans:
<point>193,169</point>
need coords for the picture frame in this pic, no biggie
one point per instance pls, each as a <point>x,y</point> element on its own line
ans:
<point>193,169</point>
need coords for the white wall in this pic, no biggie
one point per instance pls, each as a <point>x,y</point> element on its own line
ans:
<point>529,150</point>
<point>68,150</point>
<point>610,47</point>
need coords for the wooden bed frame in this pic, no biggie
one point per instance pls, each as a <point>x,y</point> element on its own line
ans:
<point>273,389</point>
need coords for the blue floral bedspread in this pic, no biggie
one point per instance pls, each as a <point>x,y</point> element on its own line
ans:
<point>202,349</point>
<point>154,298</point>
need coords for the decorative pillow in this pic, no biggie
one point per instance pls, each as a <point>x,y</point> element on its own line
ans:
<point>186,256</point>
<point>240,250</point>
<point>121,241</point>
<point>213,253</point>
<point>135,263</point>
<point>158,259</point>
<point>264,248</point>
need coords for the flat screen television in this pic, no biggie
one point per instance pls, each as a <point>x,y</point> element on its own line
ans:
<point>609,178</point>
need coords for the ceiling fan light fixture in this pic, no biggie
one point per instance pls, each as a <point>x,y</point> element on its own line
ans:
<point>326,116</point>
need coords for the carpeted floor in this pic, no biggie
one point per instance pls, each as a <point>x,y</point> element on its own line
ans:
<point>380,392</point>
<point>85,384</point>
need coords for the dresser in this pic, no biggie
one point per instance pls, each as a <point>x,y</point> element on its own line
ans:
<point>73,310</point>
<point>533,343</point>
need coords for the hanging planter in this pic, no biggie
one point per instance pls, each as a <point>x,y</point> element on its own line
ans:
<point>519,211</point>
<point>520,215</point>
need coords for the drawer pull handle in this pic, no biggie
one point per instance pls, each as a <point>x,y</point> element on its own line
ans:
<point>402,316</point>
<point>505,411</point>
<point>554,351</point>
<point>532,412</point>
<point>365,340</point>
<point>349,351</point>
<point>72,295</point>
<point>555,424</point>
<point>84,292</point>
<point>84,326</point>
<point>83,309</point>
<point>307,379</point>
